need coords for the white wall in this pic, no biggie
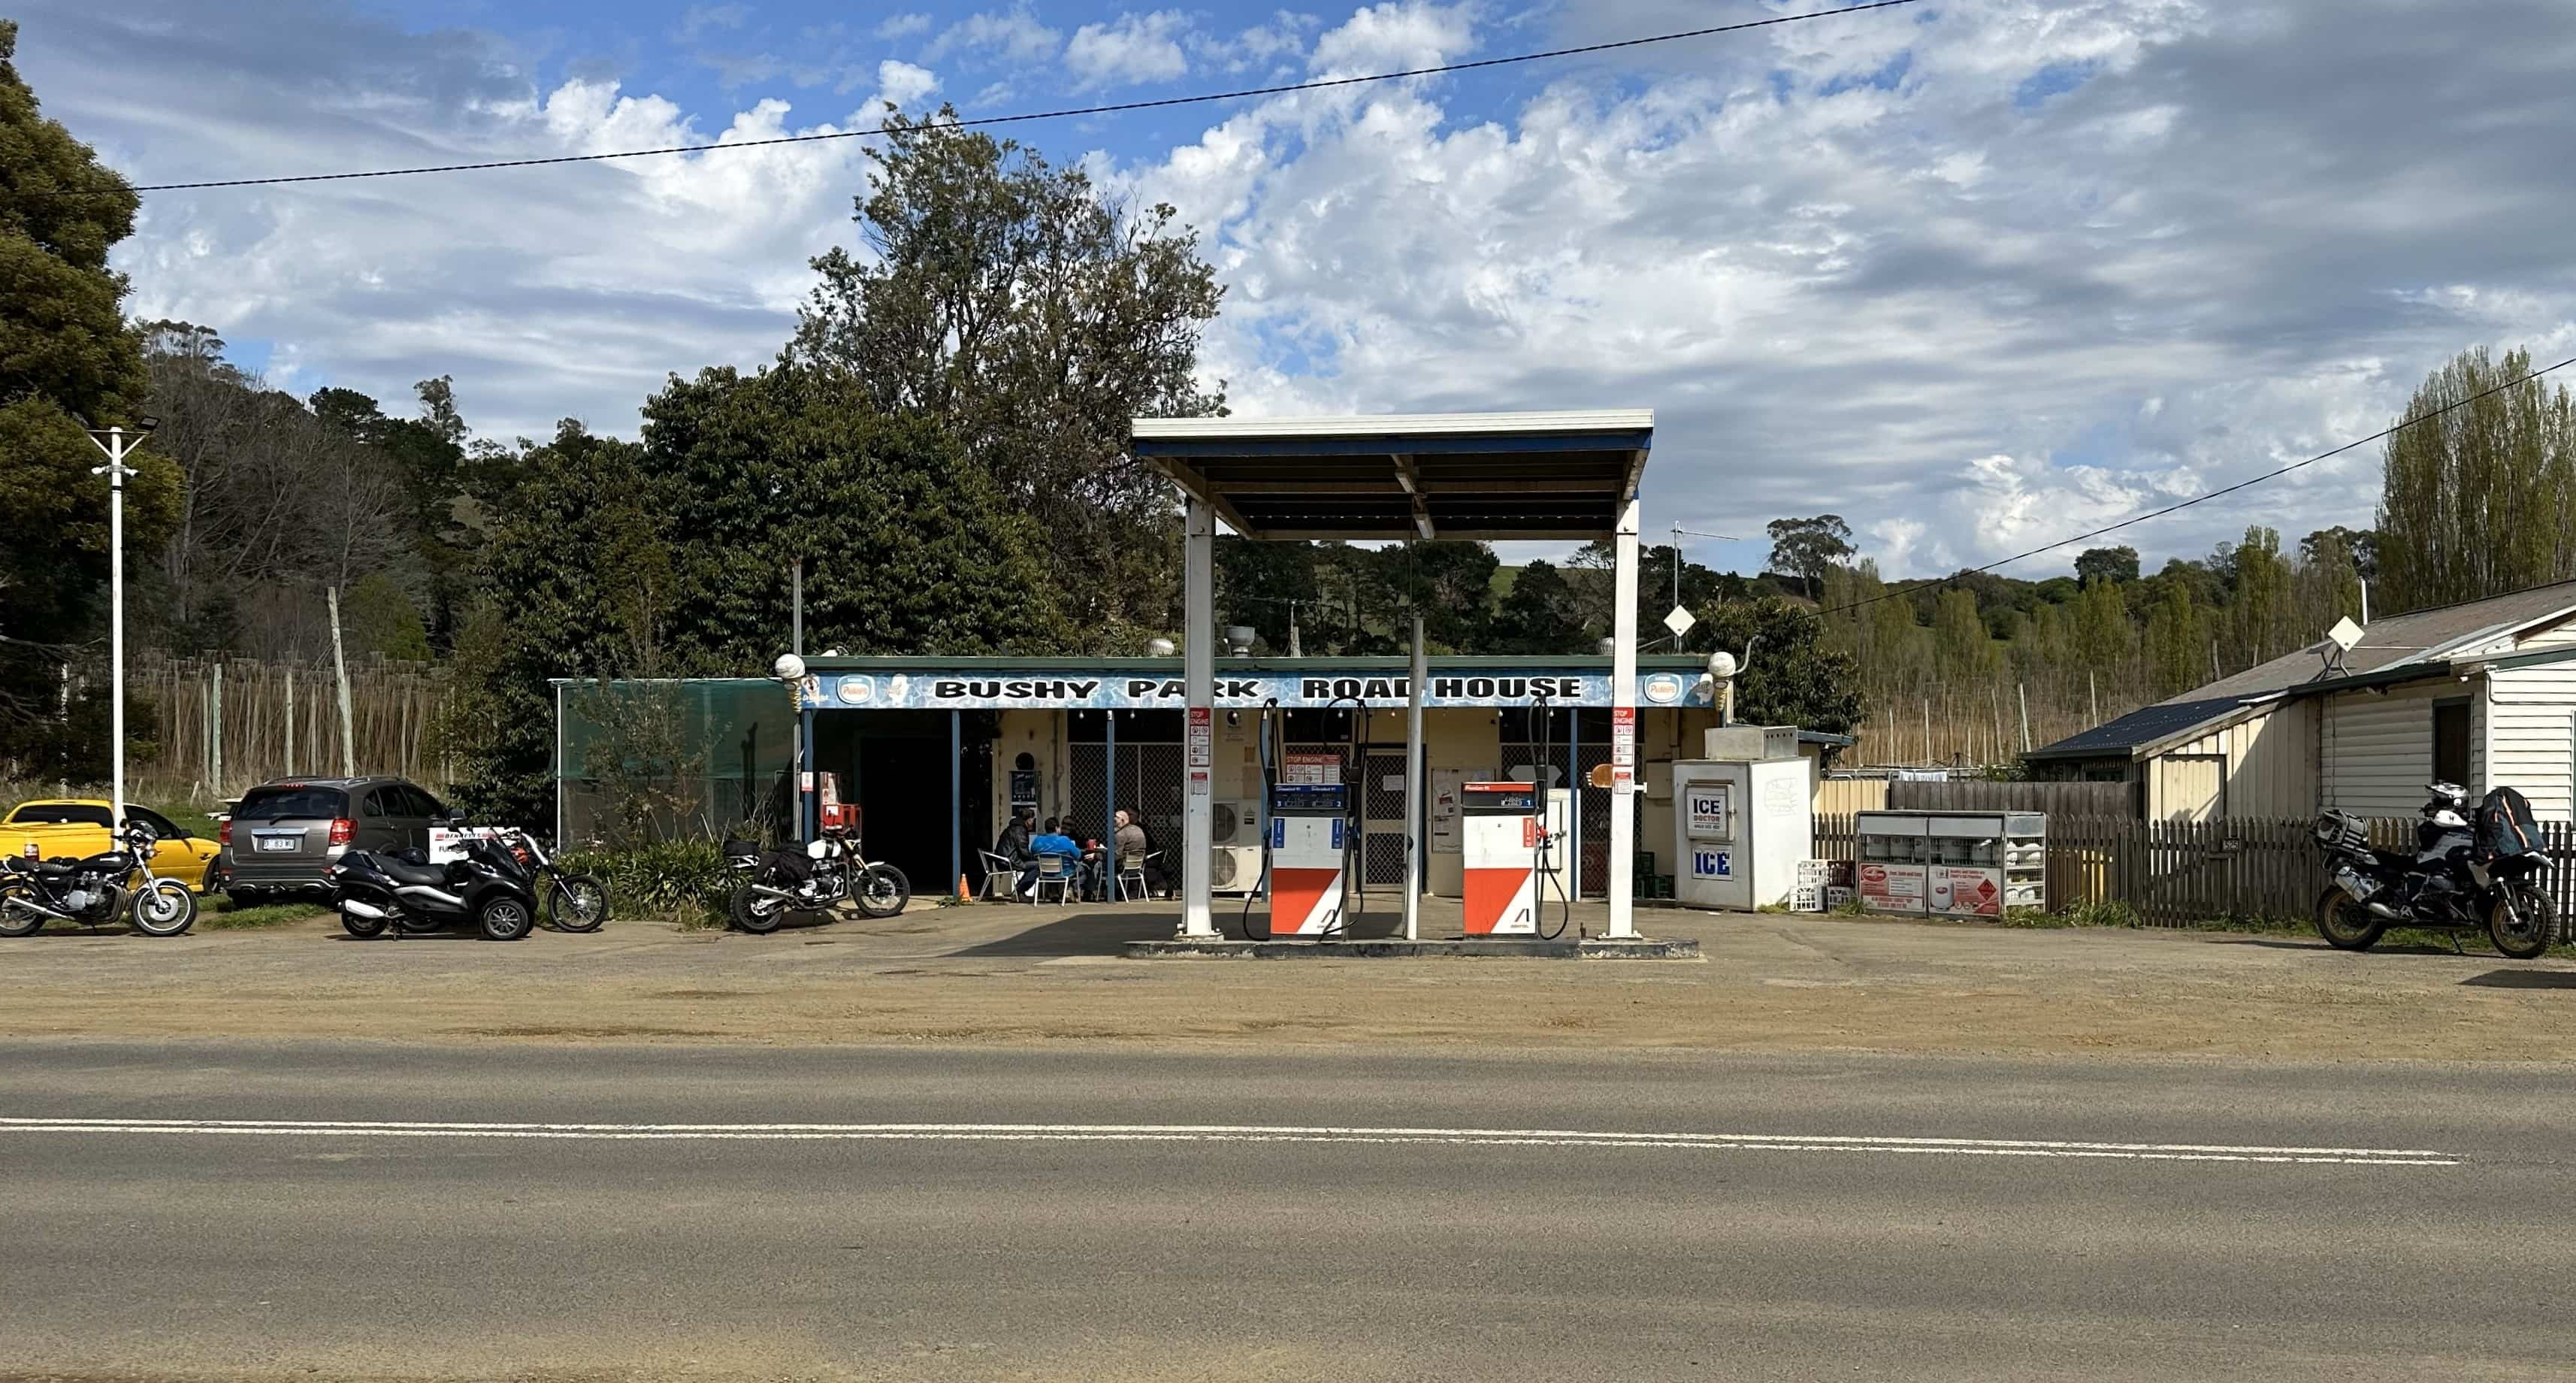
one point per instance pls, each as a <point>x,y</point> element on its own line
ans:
<point>2377,748</point>
<point>2532,736</point>
<point>2270,768</point>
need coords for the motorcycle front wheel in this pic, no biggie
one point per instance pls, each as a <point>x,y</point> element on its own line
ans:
<point>883,891</point>
<point>577,903</point>
<point>2521,923</point>
<point>757,912</point>
<point>505,918</point>
<point>166,908</point>
<point>2345,924</point>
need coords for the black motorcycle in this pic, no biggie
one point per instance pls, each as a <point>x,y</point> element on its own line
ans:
<point>96,891</point>
<point>812,878</point>
<point>2460,877</point>
<point>490,887</point>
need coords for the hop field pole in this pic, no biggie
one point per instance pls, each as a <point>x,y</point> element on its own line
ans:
<point>116,442</point>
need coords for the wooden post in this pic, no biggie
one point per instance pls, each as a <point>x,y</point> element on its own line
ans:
<point>340,671</point>
<point>287,769</point>
<point>2022,691</point>
<point>215,736</point>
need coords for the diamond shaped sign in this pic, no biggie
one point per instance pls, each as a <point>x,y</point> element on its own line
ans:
<point>1679,621</point>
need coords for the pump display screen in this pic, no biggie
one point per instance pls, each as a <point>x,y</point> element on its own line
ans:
<point>1310,798</point>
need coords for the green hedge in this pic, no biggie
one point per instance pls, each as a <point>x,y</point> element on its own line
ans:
<point>682,881</point>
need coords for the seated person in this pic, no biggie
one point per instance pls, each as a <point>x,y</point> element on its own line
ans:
<point>1014,847</point>
<point>1050,841</point>
<point>1133,847</point>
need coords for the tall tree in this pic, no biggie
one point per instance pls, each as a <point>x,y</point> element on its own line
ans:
<point>2108,563</point>
<point>1807,548</point>
<point>1965,650</point>
<point>2177,645</point>
<point>1034,317</point>
<point>2259,620</point>
<point>1539,615</point>
<point>2481,499</point>
<point>65,356</point>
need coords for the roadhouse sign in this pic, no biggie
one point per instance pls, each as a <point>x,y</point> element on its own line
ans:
<point>973,691</point>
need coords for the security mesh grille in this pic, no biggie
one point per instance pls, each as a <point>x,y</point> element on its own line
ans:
<point>1382,853</point>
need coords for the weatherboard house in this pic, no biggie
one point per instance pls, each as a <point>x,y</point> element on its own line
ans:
<point>2481,693</point>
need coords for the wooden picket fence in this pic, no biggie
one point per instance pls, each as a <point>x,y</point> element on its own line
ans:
<point>2185,873</point>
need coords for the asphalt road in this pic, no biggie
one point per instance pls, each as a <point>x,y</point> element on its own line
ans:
<point>272,1210</point>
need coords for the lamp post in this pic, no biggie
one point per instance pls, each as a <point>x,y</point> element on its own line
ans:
<point>117,442</point>
<point>790,671</point>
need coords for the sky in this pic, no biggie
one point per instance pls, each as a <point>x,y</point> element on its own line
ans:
<point>1973,274</point>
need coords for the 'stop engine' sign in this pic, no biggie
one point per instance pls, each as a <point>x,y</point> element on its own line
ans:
<point>971,691</point>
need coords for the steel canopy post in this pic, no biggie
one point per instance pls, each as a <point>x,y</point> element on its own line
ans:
<point>1413,842</point>
<point>1198,673</point>
<point>1623,725</point>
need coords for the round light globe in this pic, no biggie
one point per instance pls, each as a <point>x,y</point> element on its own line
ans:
<point>1721,665</point>
<point>788,668</point>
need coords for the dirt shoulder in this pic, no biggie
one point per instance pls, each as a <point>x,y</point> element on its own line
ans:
<point>997,975</point>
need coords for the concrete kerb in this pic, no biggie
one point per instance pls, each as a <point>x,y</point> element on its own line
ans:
<point>1396,948</point>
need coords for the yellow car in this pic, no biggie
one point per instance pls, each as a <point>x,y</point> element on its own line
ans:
<point>76,828</point>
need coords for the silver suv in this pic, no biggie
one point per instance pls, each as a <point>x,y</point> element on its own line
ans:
<point>284,834</point>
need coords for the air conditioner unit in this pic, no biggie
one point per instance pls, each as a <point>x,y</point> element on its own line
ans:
<point>1235,823</point>
<point>1234,868</point>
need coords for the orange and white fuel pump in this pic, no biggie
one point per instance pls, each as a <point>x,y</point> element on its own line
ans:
<point>1309,847</point>
<point>1499,827</point>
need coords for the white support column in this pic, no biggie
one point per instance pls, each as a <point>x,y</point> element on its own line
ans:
<point>1623,724</point>
<point>1414,844</point>
<point>1198,675</point>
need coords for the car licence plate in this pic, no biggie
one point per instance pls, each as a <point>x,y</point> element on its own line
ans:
<point>281,843</point>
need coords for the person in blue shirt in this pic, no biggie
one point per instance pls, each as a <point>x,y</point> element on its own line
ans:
<point>1050,841</point>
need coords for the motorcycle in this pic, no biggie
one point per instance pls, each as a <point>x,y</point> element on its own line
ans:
<point>96,891</point>
<point>820,875</point>
<point>574,902</point>
<point>2459,877</point>
<point>489,887</point>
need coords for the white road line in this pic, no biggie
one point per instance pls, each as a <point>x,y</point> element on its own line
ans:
<point>1236,1133</point>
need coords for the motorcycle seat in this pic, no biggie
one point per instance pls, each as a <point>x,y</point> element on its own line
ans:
<point>46,869</point>
<point>405,872</point>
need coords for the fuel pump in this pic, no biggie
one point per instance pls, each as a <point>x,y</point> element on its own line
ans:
<point>1511,849</point>
<point>1309,836</point>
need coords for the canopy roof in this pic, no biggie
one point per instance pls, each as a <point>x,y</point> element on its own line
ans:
<point>1424,475</point>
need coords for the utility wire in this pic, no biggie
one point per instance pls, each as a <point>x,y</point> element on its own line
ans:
<point>1320,84</point>
<point>2388,431</point>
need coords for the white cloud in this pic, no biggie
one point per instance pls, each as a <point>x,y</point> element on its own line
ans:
<point>1016,35</point>
<point>901,85</point>
<point>903,26</point>
<point>1970,277</point>
<point>1136,50</point>
<point>1282,37</point>
<point>698,19</point>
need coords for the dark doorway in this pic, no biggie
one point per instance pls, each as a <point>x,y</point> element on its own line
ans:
<point>895,765</point>
<point>2451,743</point>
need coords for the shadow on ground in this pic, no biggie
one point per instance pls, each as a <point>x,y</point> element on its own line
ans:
<point>2524,979</point>
<point>1106,932</point>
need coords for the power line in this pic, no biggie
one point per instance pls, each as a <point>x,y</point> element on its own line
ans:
<point>1120,108</point>
<point>2389,431</point>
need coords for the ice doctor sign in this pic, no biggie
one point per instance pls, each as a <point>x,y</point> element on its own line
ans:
<point>970,690</point>
<point>1708,805</point>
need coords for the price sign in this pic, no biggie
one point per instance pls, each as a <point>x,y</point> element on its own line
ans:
<point>1623,749</point>
<point>1202,748</point>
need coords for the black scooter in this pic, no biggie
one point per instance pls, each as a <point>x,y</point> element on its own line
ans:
<point>489,887</point>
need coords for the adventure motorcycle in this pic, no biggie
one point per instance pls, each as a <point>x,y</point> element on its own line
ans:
<point>2461,877</point>
<point>815,877</point>
<point>96,891</point>
<point>489,887</point>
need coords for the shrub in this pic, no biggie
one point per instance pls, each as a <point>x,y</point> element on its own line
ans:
<point>2099,912</point>
<point>680,881</point>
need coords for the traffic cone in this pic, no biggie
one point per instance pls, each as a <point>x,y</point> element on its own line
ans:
<point>962,895</point>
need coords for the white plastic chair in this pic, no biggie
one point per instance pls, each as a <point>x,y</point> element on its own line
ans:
<point>1062,873</point>
<point>1131,876</point>
<point>999,878</point>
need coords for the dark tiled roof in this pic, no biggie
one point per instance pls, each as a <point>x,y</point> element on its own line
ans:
<point>2388,642</point>
<point>2141,726</point>
<point>2389,646</point>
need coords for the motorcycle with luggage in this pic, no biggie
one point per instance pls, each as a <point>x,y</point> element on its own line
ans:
<point>488,886</point>
<point>814,878</point>
<point>96,891</point>
<point>2471,870</point>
